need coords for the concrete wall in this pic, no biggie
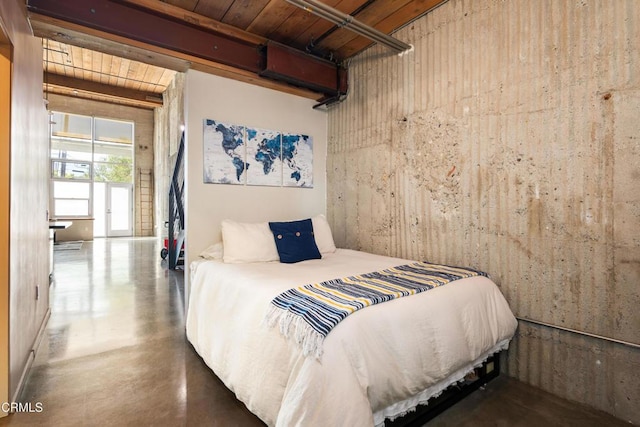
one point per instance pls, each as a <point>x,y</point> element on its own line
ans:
<point>29,227</point>
<point>168,121</point>
<point>508,140</point>
<point>143,173</point>
<point>212,97</point>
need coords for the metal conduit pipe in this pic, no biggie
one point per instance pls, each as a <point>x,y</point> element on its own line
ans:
<point>349,22</point>
<point>374,34</point>
<point>358,27</point>
<point>575,331</point>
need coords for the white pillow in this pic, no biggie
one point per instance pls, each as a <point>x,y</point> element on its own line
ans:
<point>248,242</point>
<point>322,234</point>
<point>214,251</point>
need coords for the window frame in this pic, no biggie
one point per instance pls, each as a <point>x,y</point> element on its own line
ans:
<point>91,179</point>
<point>52,198</point>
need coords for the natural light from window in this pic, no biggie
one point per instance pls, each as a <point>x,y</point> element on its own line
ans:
<point>92,171</point>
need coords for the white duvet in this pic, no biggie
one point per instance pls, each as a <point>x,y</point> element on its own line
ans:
<point>378,363</point>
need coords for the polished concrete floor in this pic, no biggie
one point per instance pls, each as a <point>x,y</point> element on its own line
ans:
<point>115,354</point>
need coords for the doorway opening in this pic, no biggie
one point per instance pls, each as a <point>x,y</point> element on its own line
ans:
<point>112,207</point>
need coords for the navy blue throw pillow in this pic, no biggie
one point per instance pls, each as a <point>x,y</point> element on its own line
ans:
<point>295,241</point>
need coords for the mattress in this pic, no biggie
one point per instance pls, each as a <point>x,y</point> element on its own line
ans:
<point>378,363</point>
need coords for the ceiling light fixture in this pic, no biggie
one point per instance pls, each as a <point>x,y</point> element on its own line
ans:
<point>349,22</point>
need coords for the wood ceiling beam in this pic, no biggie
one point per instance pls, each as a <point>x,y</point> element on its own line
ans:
<point>76,35</point>
<point>146,99</point>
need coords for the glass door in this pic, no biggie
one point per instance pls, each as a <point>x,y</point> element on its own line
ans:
<point>119,209</point>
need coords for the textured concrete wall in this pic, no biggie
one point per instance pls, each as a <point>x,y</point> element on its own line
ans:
<point>143,173</point>
<point>143,156</point>
<point>168,120</point>
<point>509,140</point>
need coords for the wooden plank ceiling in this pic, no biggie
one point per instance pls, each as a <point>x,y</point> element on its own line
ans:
<point>81,72</point>
<point>285,23</point>
<point>80,49</point>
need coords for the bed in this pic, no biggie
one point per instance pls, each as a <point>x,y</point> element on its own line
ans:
<point>377,364</point>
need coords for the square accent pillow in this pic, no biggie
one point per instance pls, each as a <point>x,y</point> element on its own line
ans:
<point>247,242</point>
<point>295,241</point>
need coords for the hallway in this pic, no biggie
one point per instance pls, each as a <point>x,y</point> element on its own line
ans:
<point>115,353</point>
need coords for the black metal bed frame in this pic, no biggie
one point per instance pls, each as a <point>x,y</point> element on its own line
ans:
<point>489,370</point>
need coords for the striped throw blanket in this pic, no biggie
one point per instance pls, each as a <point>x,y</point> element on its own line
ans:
<point>308,313</point>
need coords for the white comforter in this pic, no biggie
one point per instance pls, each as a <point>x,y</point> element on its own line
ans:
<point>379,362</point>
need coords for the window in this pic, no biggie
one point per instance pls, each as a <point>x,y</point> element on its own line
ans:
<point>85,150</point>
<point>112,157</point>
<point>70,170</point>
<point>71,198</point>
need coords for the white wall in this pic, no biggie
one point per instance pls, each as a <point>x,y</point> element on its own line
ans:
<point>220,99</point>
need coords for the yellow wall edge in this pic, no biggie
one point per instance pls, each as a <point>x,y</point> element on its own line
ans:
<point>5,159</point>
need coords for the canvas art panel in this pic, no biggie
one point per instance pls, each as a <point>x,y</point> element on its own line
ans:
<point>224,153</point>
<point>297,160</point>
<point>264,157</point>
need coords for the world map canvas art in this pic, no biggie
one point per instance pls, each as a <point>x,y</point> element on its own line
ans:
<point>235,154</point>
<point>297,160</point>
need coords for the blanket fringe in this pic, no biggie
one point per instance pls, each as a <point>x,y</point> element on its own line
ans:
<point>294,327</point>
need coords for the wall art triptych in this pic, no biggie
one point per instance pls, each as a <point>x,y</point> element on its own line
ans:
<point>235,154</point>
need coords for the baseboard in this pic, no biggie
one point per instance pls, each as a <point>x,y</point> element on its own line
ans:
<point>32,356</point>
